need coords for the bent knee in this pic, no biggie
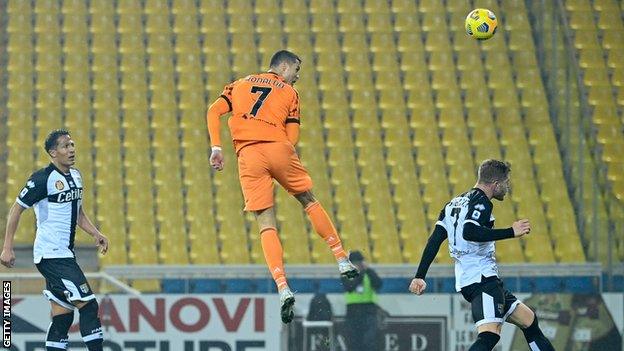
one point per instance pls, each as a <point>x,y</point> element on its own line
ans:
<point>490,327</point>
<point>522,316</point>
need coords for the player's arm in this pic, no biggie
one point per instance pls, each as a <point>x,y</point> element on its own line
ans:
<point>436,239</point>
<point>34,191</point>
<point>431,250</point>
<point>83,221</point>
<point>292,131</point>
<point>293,121</point>
<point>7,258</point>
<point>218,108</point>
<point>221,106</point>
<point>477,233</point>
<point>475,230</point>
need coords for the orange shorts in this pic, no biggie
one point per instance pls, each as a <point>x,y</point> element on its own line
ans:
<point>260,163</point>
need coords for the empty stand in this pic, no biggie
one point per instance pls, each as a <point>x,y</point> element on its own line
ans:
<point>399,107</point>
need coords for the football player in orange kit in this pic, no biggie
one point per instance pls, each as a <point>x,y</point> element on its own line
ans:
<point>265,129</point>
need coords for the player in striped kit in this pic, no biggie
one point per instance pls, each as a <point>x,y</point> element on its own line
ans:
<point>55,193</point>
<point>467,222</point>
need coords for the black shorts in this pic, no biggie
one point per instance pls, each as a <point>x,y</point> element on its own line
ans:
<point>65,281</point>
<point>490,301</point>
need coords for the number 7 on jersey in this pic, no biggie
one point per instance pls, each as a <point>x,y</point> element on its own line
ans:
<point>264,92</point>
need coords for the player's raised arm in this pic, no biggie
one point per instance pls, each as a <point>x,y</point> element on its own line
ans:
<point>436,239</point>
<point>477,233</point>
<point>7,258</point>
<point>218,108</point>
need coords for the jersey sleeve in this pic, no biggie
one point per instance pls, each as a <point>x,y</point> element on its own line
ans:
<point>227,94</point>
<point>35,190</point>
<point>479,212</point>
<point>294,112</point>
<point>441,218</point>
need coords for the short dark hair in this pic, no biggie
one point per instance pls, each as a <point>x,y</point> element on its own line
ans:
<point>283,56</point>
<point>51,140</point>
<point>356,256</point>
<point>491,171</point>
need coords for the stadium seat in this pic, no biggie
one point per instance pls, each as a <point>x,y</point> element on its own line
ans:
<point>379,23</point>
<point>406,22</point>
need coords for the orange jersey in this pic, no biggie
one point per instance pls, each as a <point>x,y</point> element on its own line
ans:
<point>261,104</point>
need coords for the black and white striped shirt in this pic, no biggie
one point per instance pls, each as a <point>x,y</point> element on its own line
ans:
<point>472,259</point>
<point>56,198</point>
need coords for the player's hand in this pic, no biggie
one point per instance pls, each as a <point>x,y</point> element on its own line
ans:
<point>216,159</point>
<point>7,258</point>
<point>521,227</point>
<point>418,286</point>
<point>101,242</point>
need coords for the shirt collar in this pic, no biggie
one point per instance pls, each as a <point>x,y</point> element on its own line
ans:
<point>58,170</point>
<point>276,76</point>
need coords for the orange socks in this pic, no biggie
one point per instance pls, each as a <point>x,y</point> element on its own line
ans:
<point>272,248</point>
<point>325,228</point>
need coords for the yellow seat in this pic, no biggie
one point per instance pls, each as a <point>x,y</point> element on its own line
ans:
<point>612,39</point>
<point>185,7</point>
<point>19,23</point>
<point>351,23</point>
<point>434,23</point>
<point>241,23</point>
<point>322,23</point>
<point>606,5</point>
<point>609,20</point>
<point>437,41</point>
<point>379,23</point>
<point>347,6</point>
<point>326,42</point>
<point>19,43</point>
<point>321,7</point>
<point>47,22</point>
<point>613,58</point>
<point>372,6</point>
<point>327,61</point>
<point>296,23</point>
<point>403,6</point>
<point>431,7</point>
<point>354,42</point>
<point>388,80</point>
<point>329,80</point>
<point>50,43</point>
<point>389,100</point>
<point>381,42</point>
<point>406,22</point>
<point>268,23</point>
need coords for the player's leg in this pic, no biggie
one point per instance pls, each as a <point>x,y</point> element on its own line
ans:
<point>287,169</point>
<point>526,319</point>
<point>57,335</point>
<point>325,228</point>
<point>487,302</point>
<point>78,292</point>
<point>273,254</point>
<point>257,185</point>
<point>271,246</point>
<point>62,310</point>
<point>488,337</point>
<point>90,324</point>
